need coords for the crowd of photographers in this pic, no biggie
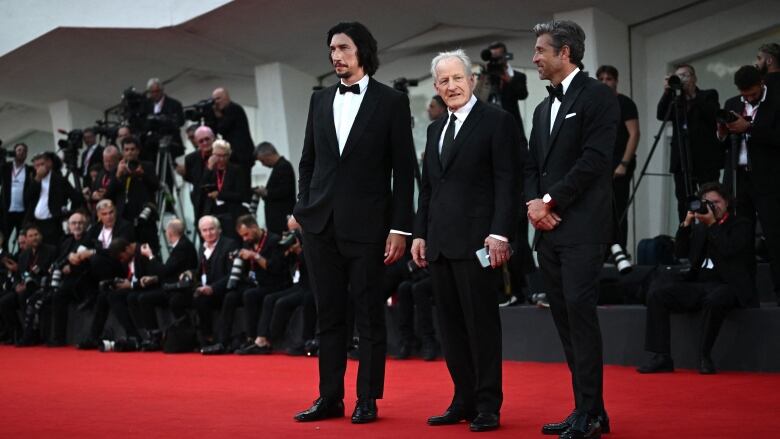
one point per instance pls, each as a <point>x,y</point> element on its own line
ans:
<point>109,260</point>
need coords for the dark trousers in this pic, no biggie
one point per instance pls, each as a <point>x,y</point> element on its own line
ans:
<point>470,327</point>
<point>72,290</point>
<point>679,189</point>
<point>11,221</point>
<point>342,272</point>
<point>752,200</point>
<point>714,298</point>
<point>621,190</point>
<point>116,302</point>
<point>10,303</point>
<point>254,307</point>
<point>570,275</point>
<point>205,305</point>
<point>278,307</point>
<point>415,299</point>
<point>177,301</point>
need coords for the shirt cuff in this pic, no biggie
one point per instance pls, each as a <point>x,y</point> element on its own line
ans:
<point>499,237</point>
<point>398,232</point>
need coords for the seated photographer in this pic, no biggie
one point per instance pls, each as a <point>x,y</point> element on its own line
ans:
<point>259,268</point>
<point>415,298</point>
<point>33,265</point>
<point>277,307</point>
<point>114,273</point>
<point>754,131</point>
<point>74,286</point>
<point>719,246</point>
<point>224,188</point>
<point>195,166</point>
<point>108,226</point>
<point>163,286</point>
<point>105,185</point>
<point>49,195</point>
<point>212,275</point>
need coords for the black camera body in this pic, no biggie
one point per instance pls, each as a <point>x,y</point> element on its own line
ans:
<point>725,116</point>
<point>186,282</point>
<point>236,270</point>
<point>290,238</point>
<point>701,206</point>
<point>110,284</point>
<point>495,66</point>
<point>201,111</point>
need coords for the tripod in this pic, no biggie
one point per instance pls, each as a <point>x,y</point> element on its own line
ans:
<point>165,197</point>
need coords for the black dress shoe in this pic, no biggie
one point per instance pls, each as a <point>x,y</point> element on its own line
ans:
<point>484,422</point>
<point>215,349</point>
<point>404,352</point>
<point>706,366</point>
<point>559,427</point>
<point>323,408</point>
<point>451,416</point>
<point>657,364</point>
<point>586,429</point>
<point>365,411</point>
<point>430,350</point>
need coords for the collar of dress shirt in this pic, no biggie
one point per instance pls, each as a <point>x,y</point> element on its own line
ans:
<point>362,83</point>
<point>763,98</point>
<point>174,244</point>
<point>462,113</point>
<point>567,80</point>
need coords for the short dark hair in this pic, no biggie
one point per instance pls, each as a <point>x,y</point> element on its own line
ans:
<point>687,66</point>
<point>721,190</point>
<point>131,139</point>
<point>746,77</point>
<point>565,33</point>
<point>22,144</point>
<point>32,226</point>
<point>263,148</point>
<point>497,45</point>
<point>771,49</point>
<point>117,246</point>
<point>439,101</point>
<point>609,70</point>
<point>246,220</point>
<point>364,41</point>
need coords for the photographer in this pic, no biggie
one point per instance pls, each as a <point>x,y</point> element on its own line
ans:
<point>499,82</point>
<point>108,226</point>
<point>719,246</point>
<point>137,181</point>
<point>212,274</point>
<point>49,196</point>
<point>223,188</point>
<point>279,192</point>
<point>17,178</point>
<point>106,185</point>
<point>263,270</point>
<point>92,155</point>
<point>195,165</point>
<point>32,266</point>
<point>165,116</point>
<point>183,257</point>
<point>436,108</point>
<point>706,154</point>
<point>233,125</point>
<point>753,128</point>
<point>415,298</point>
<point>768,63</point>
<point>75,285</point>
<point>114,273</point>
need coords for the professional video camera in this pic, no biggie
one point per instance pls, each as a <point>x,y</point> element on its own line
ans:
<point>495,66</point>
<point>70,147</point>
<point>236,270</point>
<point>8,153</point>
<point>201,111</point>
<point>402,84</point>
<point>133,108</point>
<point>185,283</point>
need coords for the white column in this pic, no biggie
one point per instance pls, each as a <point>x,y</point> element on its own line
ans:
<point>69,114</point>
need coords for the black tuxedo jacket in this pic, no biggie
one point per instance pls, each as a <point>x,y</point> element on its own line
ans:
<point>60,191</point>
<point>217,267</point>
<point>141,190</point>
<point>730,247</point>
<point>107,180</point>
<point>183,257</point>
<point>475,193</point>
<point>234,127</point>
<point>354,187</point>
<point>233,192</point>
<point>280,200</point>
<point>195,167</point>
<point>707,154</point>
<point>6,169</point>
<point>122,229</point>
<point>763,144</point>
<point>574,162</point>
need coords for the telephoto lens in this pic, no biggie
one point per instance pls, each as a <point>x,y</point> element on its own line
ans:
<point>622,262</point>
<point>235,272</point>
<point>253,203</point>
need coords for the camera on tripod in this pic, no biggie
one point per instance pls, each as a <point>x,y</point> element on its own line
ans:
<point>201,111</point>
<point>70,146</point>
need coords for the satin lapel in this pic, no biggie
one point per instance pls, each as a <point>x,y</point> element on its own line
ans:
<point>544,129</point>
<point>333,141</point>
<point>571,96</point>
<point>469,124</point>
<point>367,107</point>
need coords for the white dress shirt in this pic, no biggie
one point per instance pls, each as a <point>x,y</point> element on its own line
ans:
<point>750,111</point>
<point>460,116</point>
<point>158,105</point>
<point>345,109</point>
<point>556,104</point>
<point>42,208</point>
<point>106,236</point>
<point>18,177</point>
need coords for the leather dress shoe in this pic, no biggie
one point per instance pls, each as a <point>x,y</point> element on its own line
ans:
<point>554,428</point>
<point>365,411</point>
<point>404,352</point>
<point>484,422</point>
<point>254,349</point>
<point>215,349</point>
<point>587,429</point>
<point>706,366</point>
<point>657,364</point>
<point>323,408</point>
<point>451,416</point>
<point>430,350</point>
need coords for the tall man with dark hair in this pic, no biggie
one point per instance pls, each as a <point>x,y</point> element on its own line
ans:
<point>468,201</point>
<point>705,155</point>
<point>768,63</point>
<point>358,140</point>
<point>279,192</point>
<point>568,185</point>
<point>17,178</point>
<point>624,156</point>
<point>756,130</point>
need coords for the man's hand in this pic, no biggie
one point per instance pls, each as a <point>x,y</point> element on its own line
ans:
<point>394,247</point>
<point>498,250</point>
<point>295,248</point>
<point>122,169</point>
<point>211,162</point>
<point>204,291</point>
<point>181,169</point>
<point>540,215</point>
<point>20,288</point>
<point>10,264</point>
<point>213,195</point>
<point>247,254</point>
<point>147,281</point>
<point>739,126</point>
<point>620,171</point>
<point>98,194</point>
<point>689,219</point>
<point>706,218</point>
<point>418,252</point>
<point>124,285</point>
<point>146,250</point>
<point>66,269</point>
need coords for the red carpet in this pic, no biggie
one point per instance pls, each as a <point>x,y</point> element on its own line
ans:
<point>57,393</point>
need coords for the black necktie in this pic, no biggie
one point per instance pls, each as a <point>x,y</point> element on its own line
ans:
<point>449,139</point>
<point>354,88</point>
<point>556,92</point>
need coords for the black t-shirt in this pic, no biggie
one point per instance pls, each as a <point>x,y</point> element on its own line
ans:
<point>628,111</point>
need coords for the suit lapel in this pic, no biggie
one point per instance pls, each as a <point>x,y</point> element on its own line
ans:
<point>544,130</point>
<point>433,145</point>
<point>568,101</point>
<point>333,141</point>
<point>472,120</point>
<point>367,107</point>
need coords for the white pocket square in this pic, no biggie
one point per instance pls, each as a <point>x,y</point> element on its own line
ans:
<point>570,115</point>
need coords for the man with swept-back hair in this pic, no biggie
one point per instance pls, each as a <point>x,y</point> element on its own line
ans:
<point>568,185</point>
<point>768,63</point>
<point>358,141</point>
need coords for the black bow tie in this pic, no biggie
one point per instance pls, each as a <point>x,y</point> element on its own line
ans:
<point>556,92</point>
<point>354,88</point>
